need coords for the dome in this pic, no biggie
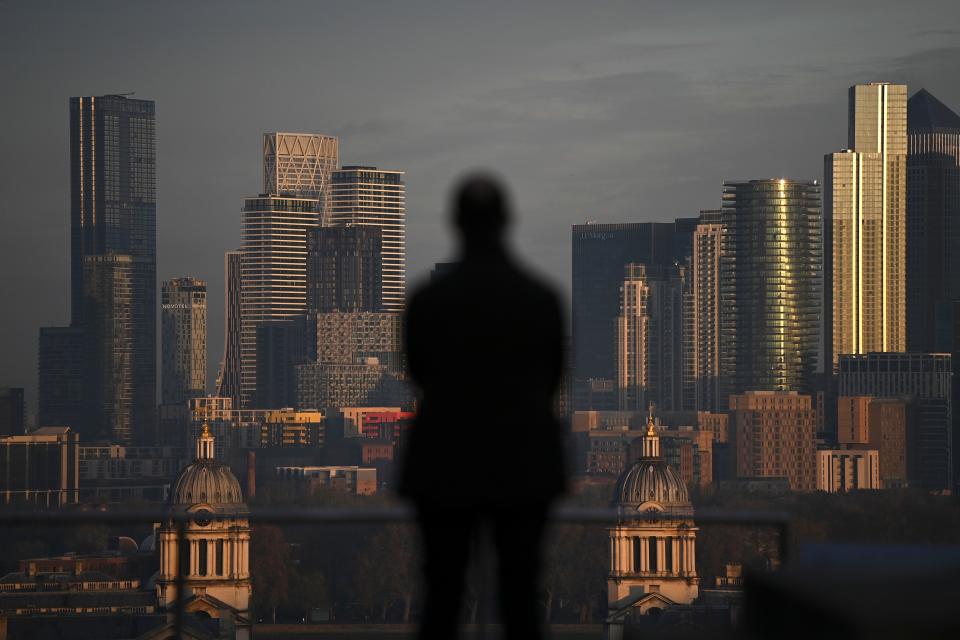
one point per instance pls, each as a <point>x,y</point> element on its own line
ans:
<point>209,482</point>
<point>652,481</point>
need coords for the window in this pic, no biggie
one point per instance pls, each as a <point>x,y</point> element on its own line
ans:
<point>668,555</point>
<point>219,557</point>
<point>652,553</point>
<point>202,557</point>
<point>637,554</point>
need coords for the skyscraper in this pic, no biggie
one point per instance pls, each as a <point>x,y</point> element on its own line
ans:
<point>770,285</point>
<point>12,411</point>
<point>600,253</point>
<point>933,215</point>
<point>228,380</point>
<point>705,306</point>
<point>273,270</point>
<point>344,269</point>
<point>650,338</point>
<point>113,213</point>
<point>108,320</point>
<point>62,379</point>
<point>865,224</point>
<point>184,313</point>
<point>367,196</point>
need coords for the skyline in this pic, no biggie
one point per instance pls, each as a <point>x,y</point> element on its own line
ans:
<point>561,89</point>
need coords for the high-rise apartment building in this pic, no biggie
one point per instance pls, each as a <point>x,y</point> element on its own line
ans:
<point>113,212</point>
<point>184,328</point>
<point>297,170</point>
<point>600,252</point>
<point>880,424</point>
<point>705,308</point>
<point>650,345</point>
<point>281,345</point>
<point>108,301</point>
<point>371,197</point>
<point>228,380</point>
<point>775,437</point>
<point>12,411</point>
<point>344,269</point>
<point>865,188</point>
<point>770,285</point>
<point>933,216</point>
<point>924,379</point>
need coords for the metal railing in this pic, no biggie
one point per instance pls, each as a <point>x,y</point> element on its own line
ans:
<point>779,521</point>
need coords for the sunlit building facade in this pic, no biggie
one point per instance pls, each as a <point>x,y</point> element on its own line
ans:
<point>184,328</point>
<point>372,197</point>
<point>705,306</point>
<point>770,285</point>
<point>865,188</point>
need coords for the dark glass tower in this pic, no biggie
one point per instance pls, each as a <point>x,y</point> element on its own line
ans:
<point>600,253</point>
<point>933,215</point>
<point>113,212</point>
<point>770,286</point>
<point>344,269</point>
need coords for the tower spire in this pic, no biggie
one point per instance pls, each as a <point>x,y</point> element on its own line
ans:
<point>205,443</point>
<point>651,441</point>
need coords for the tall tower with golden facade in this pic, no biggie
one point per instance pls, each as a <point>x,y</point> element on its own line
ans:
<point>653,545</point>
<point>213,552</point>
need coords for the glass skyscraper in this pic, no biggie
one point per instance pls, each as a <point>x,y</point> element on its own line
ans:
<point>865,225</point>
<point>770,285</point>
<point>113,242</point>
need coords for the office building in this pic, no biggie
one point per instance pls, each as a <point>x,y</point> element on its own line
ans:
<point>350,338</point>
<point>108,300</point>
<point>228,379</point>
<point>12,411</point>
<point>331,385</point>
<point>650,333</point>
<point>344,269</point>
<point>113,212</point>
<point>39,469</point>
<point>371,197</point>
<point>865,188</point>
<point>599,253</point>
<point>184,328</point>
<point>62,383</point>
<point>273,269</point>
<point>775,437</point>
<point>705,307</point>
<point>925,381</point>
<point>770,286</point>
<point>933,215</point>
<point>842,470</point>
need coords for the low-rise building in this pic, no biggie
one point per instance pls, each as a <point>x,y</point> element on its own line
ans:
<point>842,470</point>
<point>40,468</point>
<point>356,480</point>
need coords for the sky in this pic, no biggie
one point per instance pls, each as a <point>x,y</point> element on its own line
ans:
<point>606,111</point>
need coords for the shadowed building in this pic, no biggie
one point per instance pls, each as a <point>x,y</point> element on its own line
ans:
<point>933,215</point>
<point>12,411</point>
<point>228,380</point>
<point>344,269</point>
<point>62,385</point>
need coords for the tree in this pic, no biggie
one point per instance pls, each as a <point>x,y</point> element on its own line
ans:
<point>269,568</point>
<point>309,590</point>
<point>387,570</point>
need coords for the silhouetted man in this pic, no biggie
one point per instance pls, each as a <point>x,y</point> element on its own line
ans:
<point>484,345</point>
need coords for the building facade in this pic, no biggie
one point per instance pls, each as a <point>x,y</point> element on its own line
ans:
<point>344,269</point>
<point>775,437</point>
<point>843,470</point>
<point>184,328</point>
<point>924,380</point>
<point>12,411</point>
<point>113,212</point>
<point>371,197</point>
<point>865,188</point>
<point>61,378</point>
<point>933,216</point>
<point>705,308</point>
<point>600,253</point>
<point>770,285</point>
<point>228,379</point>
<point>40,469</point>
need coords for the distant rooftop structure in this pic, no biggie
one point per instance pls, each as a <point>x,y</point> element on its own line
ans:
<point>925,111</point>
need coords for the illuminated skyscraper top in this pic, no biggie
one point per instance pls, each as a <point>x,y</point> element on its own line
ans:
<point>298,164</point>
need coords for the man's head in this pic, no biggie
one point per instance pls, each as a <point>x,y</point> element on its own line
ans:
<point>480,211</point>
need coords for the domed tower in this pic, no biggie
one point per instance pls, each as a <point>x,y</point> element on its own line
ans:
<point>213,555</point>
<point>652,559</point>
